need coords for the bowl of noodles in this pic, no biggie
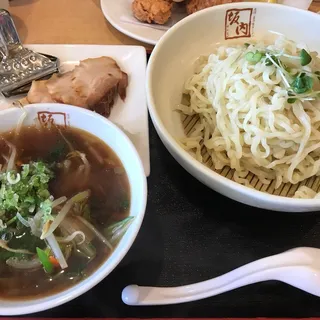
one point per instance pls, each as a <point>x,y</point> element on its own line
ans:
<point>238,102</point>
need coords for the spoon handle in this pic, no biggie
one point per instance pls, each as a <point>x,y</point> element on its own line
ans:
<point>143,296</point>
<point>257,271</point>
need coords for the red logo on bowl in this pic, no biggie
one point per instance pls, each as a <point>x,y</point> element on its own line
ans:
<point>47,118</point>
<point>238,23</point>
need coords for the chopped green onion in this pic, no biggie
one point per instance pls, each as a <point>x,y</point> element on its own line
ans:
<point>305,57</point>
<point>318,74</point>
<point>12,178</point>
<point>25,191</point>
<point>247,45</point>
<point>44,259</point>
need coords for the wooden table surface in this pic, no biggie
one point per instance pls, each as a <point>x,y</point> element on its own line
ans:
<point>70,22</point>
<point>315,6</point>
<point>65,22</point>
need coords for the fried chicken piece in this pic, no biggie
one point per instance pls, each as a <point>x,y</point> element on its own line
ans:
<point>93,84</point>
<point>152,11</point>
<point>197,5</point>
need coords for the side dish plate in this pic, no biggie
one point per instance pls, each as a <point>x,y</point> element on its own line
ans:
<point>130,116</point>
<point>119,14</point>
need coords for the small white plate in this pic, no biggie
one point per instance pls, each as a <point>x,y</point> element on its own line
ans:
<point>132,115</point>
<point>119,14</point>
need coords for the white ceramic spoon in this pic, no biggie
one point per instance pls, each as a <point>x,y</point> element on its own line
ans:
<point>298,267</point>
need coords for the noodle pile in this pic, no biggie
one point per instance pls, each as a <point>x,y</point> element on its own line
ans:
<point>249,117</point>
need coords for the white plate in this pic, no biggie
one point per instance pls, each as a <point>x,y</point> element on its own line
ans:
<point>132,115</point>
<point>119,11</point>
<point>119,14</point>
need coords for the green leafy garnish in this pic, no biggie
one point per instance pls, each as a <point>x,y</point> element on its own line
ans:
<point>302,83</point>
<point>44,259</point>
<point>291,100</point>
<point>27,241</point>
<point>5,255</point>
<point>82,208</point>
<point>305,57</point>
<point>60,149</point>
<point>269,62</point>
<point>115,231</point>
<point>124,204</point>
<point>297,81</point>
<point>254,57</point>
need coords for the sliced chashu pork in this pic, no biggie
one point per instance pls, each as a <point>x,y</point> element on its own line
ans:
<point>93,84</point>
<point>38,92</point>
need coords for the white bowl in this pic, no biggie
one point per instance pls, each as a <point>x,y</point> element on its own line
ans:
<point>122,146</point>
<point>171,63</point>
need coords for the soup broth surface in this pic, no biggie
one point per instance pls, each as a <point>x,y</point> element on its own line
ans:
<point>109,202</point>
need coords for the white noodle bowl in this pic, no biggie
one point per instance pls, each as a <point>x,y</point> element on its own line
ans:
<point>246,122</point>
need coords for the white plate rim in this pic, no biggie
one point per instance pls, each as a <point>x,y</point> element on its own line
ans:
<point>119,27</point>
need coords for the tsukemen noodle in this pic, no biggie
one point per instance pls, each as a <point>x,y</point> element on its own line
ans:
<point>64,206</point>
<point>257,106</point>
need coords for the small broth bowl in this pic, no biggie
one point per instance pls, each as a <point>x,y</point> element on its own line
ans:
<point>172,63</point>
<point>44,114</point>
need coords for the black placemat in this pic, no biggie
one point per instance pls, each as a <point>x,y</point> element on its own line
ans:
<point>191,233</point>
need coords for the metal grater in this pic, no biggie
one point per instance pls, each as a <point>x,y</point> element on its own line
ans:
<point>20,66</point>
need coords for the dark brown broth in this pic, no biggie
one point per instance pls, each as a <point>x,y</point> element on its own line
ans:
<point>109,189</point>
